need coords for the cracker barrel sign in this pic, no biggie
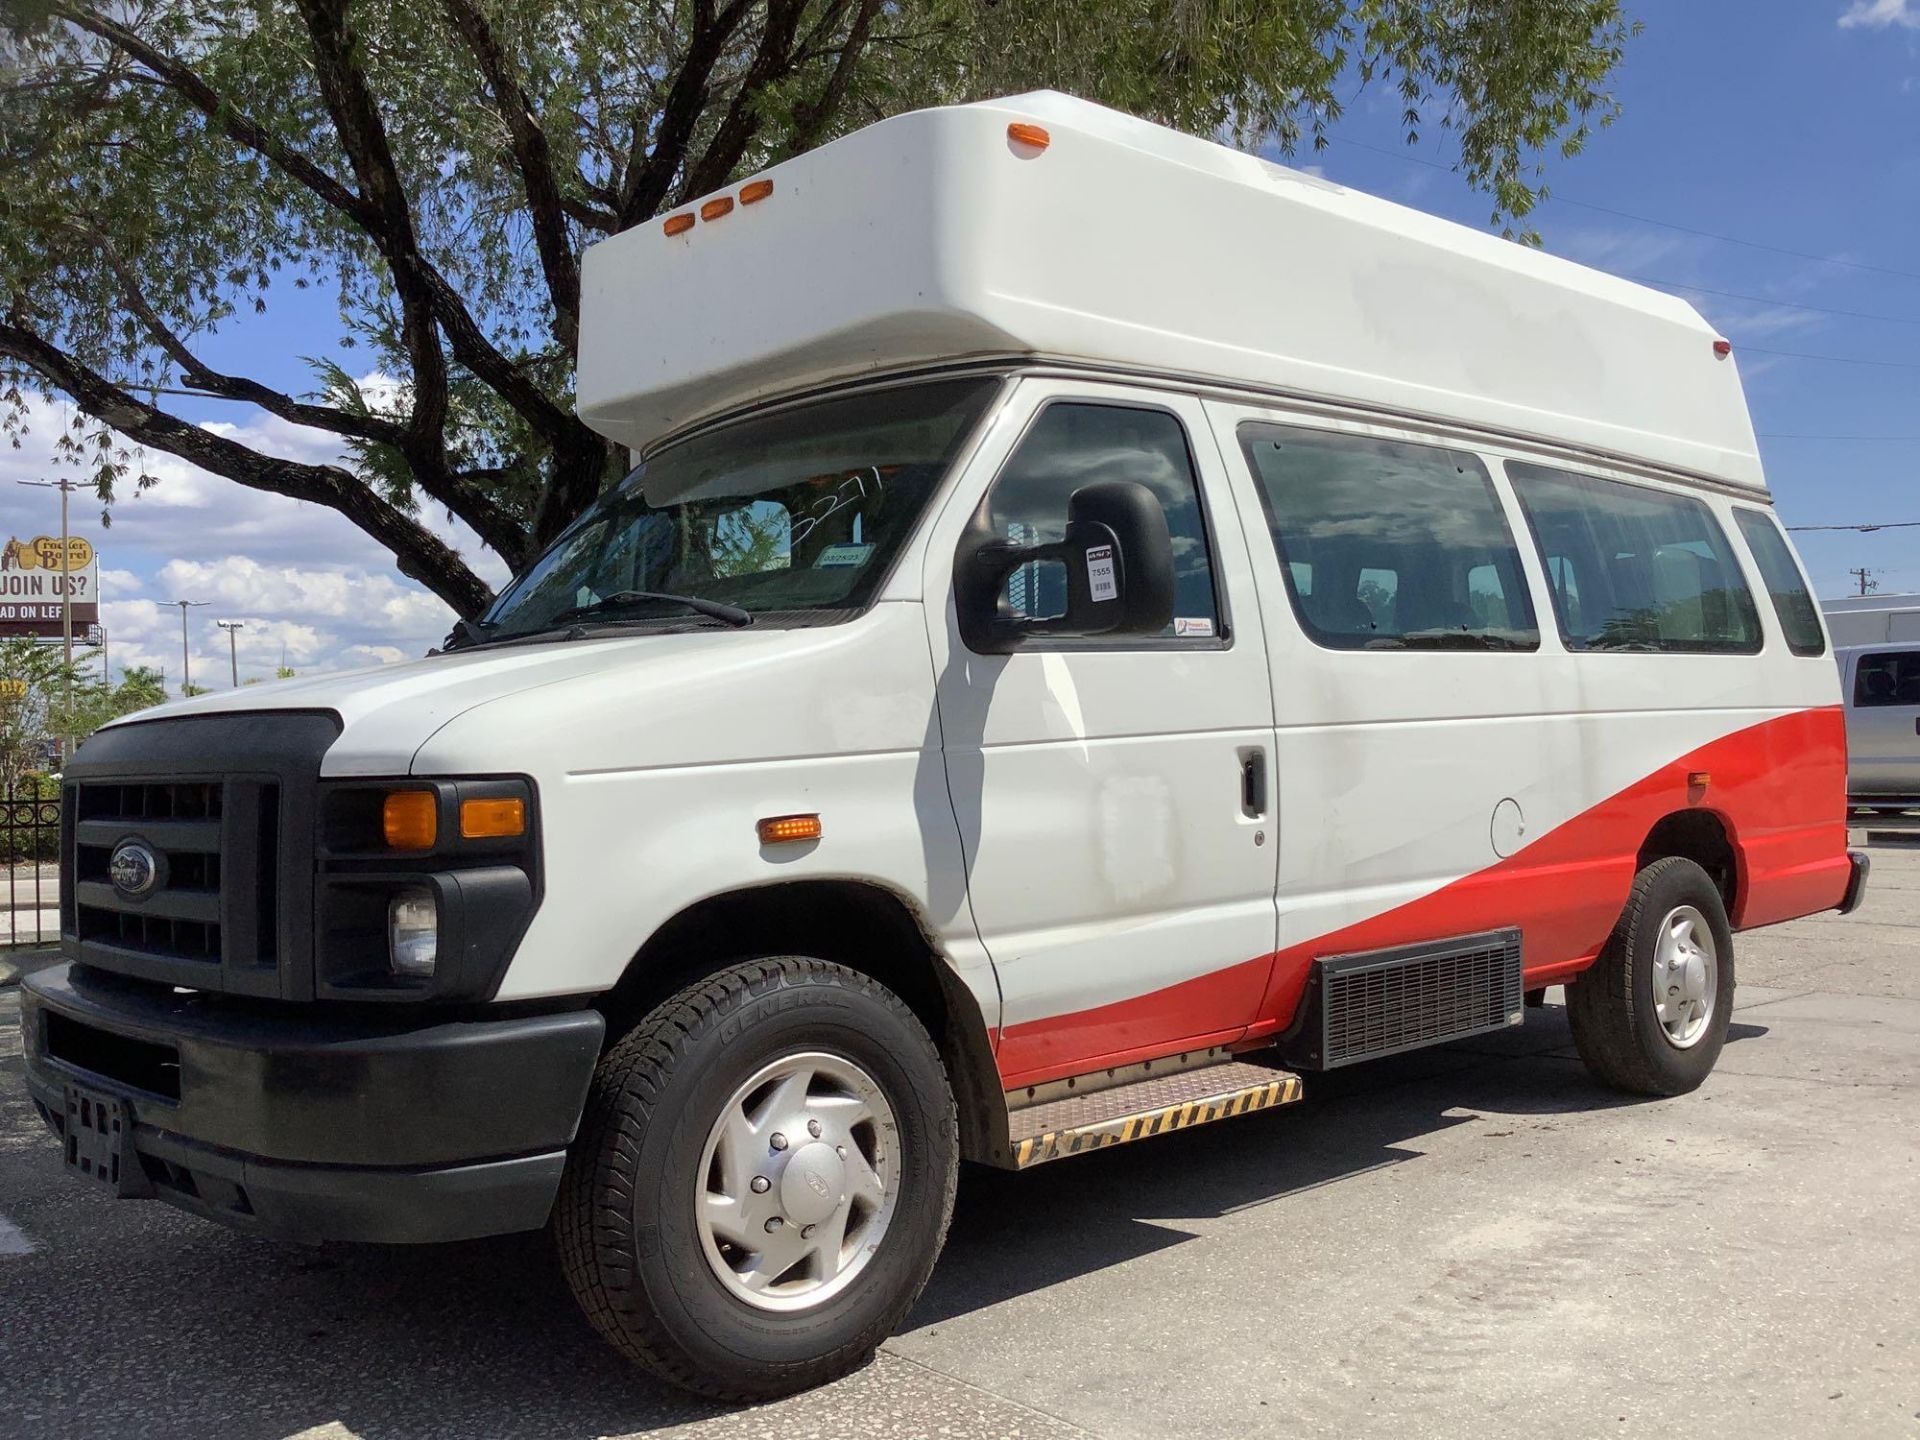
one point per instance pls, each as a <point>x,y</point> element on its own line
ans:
<point>35,576</point>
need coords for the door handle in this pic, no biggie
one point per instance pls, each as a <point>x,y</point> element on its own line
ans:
<point>1253,784</point>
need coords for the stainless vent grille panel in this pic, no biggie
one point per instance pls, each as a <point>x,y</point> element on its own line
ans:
<point>1385,1001</point>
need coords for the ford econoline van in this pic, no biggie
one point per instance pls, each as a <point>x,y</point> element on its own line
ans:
<point>1100,631</point>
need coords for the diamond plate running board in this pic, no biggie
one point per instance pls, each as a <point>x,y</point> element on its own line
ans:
<point>1040,1133</point>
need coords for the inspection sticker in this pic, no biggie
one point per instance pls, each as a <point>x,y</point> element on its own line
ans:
<point>841,557</point>
<point>1101,580</point>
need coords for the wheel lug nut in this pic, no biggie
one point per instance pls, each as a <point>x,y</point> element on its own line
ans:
<point>841,1151</point>
<point>779,1141</point>
<point>813,1128</point>
<point>761,1184</point>
<point>806,1233</point>
<point>774,1224</point>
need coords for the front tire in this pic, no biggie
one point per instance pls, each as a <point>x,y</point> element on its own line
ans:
<point>686,1141</point>
<point>1650,1015</point>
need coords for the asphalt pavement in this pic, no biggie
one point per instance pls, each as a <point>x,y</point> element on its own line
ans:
<point>1473,1241</point>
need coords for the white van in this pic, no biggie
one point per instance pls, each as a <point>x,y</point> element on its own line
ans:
<point>1101,628</point>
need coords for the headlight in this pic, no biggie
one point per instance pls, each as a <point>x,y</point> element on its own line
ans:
<point>413,933</point>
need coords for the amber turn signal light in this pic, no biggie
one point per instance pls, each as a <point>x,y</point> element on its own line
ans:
<point>410,819</point>
<point>785,829</point>
<point>1022,133</point>
<point>678,224</point>
<point>492,819</point>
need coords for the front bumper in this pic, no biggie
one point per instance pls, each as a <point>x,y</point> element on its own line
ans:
<point>310,1126</point>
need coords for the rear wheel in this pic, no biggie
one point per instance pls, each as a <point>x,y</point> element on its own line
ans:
<point>762,1181</point>
<point>1650,1015</point>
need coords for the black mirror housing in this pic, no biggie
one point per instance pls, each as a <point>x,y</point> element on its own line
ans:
<point>1118,557</point>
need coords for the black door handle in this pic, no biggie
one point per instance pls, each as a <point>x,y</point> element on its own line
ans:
<point>1253,784</point>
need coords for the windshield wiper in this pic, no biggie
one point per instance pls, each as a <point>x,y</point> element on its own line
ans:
<point>627,599</point>
<point>466,632</point>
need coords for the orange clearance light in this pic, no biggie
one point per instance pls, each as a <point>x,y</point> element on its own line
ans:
<point>1699,779</point>
<point>1723,348</point>
<point>1022,133</point>
<point>492,819</point>
<point>679,224</point>
<point>754,191</point>
<point>785,829</point>
<point>410,819</point>
<point>714,209</point>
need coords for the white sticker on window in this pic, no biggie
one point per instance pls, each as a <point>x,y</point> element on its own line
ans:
<point>1101,580</point>
<point>842,557</point>
<point>1193,625</point>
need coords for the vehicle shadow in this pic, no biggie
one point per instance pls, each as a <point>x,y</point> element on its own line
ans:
<point>180,1329</point>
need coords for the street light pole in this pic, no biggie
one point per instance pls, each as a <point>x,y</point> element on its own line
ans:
<point>66,488</point>
<point>186,659</point>
<point>233,628</point>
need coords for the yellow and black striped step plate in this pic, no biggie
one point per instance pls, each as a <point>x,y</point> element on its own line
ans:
<point>1147,1107</point>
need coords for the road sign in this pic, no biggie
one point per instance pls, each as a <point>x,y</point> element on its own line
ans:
<point>33,582</point>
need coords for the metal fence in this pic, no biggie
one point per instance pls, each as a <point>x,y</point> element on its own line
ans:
<point>29,864</point>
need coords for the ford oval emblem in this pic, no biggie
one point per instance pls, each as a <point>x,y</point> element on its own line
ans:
<point>133,869</point>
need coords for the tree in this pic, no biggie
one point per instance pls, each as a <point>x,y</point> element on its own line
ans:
<point>174,165</point>
<point>60,700</point>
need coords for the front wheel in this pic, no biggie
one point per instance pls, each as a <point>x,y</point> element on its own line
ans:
<point>1650,1015</point>
<point>762,1181</point>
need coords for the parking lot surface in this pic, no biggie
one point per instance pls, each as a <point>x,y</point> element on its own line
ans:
<point>1468,1241</point>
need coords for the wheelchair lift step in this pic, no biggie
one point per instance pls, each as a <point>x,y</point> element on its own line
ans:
<point>1123,1113</point>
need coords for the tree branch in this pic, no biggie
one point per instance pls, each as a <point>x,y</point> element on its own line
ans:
<point>420,554</point>
<point>811,118</point>
<point>772,59</point>
<point>650,170</point>
<point>534,158</point>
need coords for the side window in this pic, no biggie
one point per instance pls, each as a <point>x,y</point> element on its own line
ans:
<point>1892,678</point>
<point>1074,444</point>
<point>1792,602</point>
<point>1633,568</point>
<point>1390,546</point>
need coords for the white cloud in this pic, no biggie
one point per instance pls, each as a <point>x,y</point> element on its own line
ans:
<point>1879,14</point>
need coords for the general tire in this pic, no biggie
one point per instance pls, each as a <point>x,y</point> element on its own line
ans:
<point>624,1220</point>
<point>1611,1008</point>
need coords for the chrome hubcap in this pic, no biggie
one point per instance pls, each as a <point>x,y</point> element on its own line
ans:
<point>799,1181</point>
<point>1686,976</point>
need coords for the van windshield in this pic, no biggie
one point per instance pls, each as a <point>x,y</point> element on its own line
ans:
<point>792,517</point>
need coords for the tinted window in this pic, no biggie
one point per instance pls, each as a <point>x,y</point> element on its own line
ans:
<point>1889,679</point>
<point>1792,602</point>
<point>1390,546</point>
<point>1633,568</point>
<point>1071,445</point>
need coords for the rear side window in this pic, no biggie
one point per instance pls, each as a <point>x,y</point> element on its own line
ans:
<point>1892,678</point>
<point>1792,601</point>
<point>1390,546</point>
<point>1632,568</point>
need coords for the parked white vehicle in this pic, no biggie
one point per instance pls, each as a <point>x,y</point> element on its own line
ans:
<point>1102,625</point>
<point>1882,688</point>
<point>1872,619</point>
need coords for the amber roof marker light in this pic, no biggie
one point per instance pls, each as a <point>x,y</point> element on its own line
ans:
<point>715,208</point>
<point>678,224</point>
<point>754,191</point>
<point>1034,137</point>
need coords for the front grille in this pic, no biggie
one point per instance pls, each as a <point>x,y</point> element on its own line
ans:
<point>183,824</point>
<point>1382,1002</point>
<point>224,804</point>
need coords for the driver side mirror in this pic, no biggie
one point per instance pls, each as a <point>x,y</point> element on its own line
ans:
<point>1118,559</point>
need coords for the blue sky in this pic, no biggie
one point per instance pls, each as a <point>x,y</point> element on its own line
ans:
<point>1790,124</point>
